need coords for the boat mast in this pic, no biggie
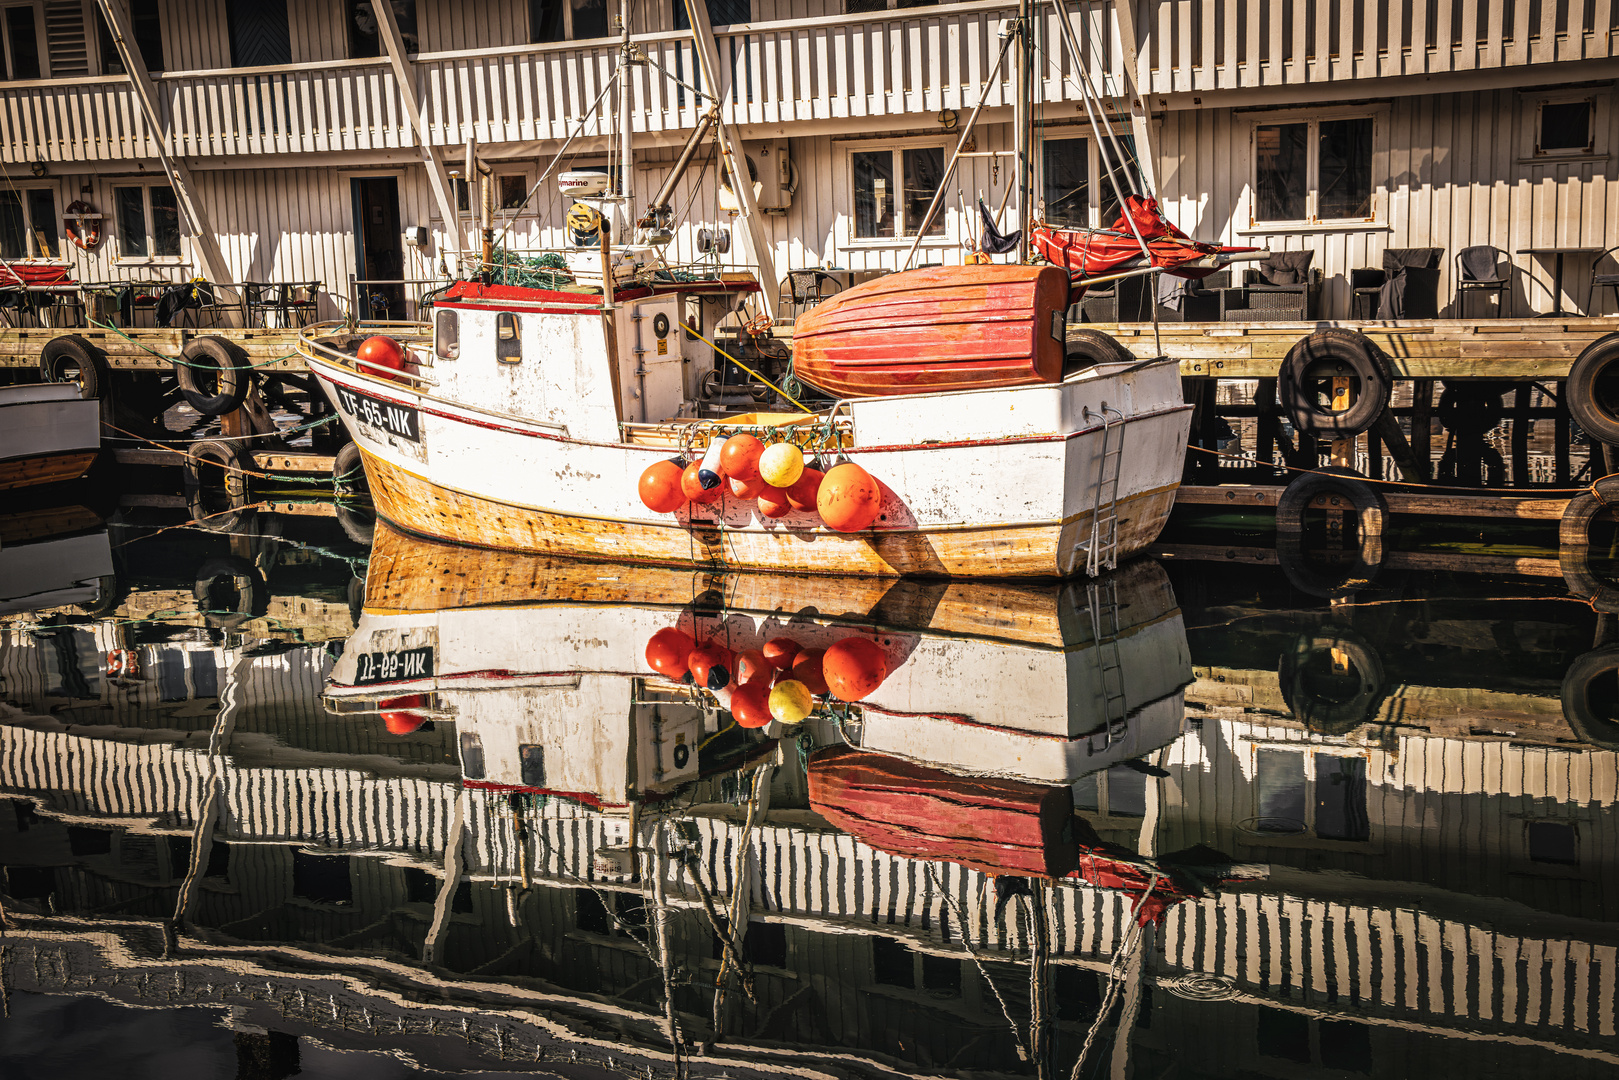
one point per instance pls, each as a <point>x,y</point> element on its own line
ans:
<point>1022,113</point>
<point>626,122</point>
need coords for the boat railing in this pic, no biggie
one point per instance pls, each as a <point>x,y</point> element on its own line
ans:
<point>406,333</point>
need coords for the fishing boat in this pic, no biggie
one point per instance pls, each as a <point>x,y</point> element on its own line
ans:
<point>49,433</point>
<point>1031,683</point>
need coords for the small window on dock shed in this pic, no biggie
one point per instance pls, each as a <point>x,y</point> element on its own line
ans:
<point>1565,127</point>
<point>508,341</point>
<point>446,334</point>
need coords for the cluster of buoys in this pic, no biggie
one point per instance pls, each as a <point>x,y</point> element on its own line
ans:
<point>778,681</point>
<point>776,477</point>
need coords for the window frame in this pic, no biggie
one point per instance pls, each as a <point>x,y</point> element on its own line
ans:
<point>41,46</point>
<point>146,186</point>
<point>1312,220</point>
<point>567,24</point>
<point>1566,98</point>
<point>57,233</point>
<point>949,213</point>
<point>1097,187</point>
<point>1309,751</point>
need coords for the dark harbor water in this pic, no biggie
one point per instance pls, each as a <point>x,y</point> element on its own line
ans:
<point>309,797</point>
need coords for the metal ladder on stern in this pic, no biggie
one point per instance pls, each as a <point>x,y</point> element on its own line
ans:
<point>1103,597</point>
<point>1102,550</point>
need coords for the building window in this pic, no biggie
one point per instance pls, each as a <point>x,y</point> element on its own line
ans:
<point>1553,842</point>
<point>1120,791</point>
<point>148,222</point>
<point>883,209</point>
<point>29,227</point>
<point>362,23</point>
<point>1323,795</point>
<point>21,32</point>
<point>1313,170</point>
<point>566,20</point>
<point>148,28</point>
<point>1067,176</point>
<point>1565,127</point>
<point>720,13</point>
<point>259,33</point>
<point>511,191</point>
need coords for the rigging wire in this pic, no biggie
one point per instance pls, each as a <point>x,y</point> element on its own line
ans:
<point>608,85</point>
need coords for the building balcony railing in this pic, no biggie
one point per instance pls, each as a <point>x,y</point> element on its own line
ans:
<point>908,62</point>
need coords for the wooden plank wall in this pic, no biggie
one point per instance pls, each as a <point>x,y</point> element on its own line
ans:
<point>1451,170</point>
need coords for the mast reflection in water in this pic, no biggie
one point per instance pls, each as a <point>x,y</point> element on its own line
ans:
<point>1065,835</point>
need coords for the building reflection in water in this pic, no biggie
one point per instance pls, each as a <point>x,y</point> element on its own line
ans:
<point>1254,835</point>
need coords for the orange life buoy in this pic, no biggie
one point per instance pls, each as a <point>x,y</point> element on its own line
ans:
<point>83,224</point>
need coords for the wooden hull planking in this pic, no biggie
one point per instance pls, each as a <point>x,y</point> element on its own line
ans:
<point>40,469</point>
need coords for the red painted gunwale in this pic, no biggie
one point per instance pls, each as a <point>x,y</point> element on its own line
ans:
<point>944,328</point>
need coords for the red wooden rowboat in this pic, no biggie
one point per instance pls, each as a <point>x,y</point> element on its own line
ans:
<point>997,826</point>
<point>943,328</point>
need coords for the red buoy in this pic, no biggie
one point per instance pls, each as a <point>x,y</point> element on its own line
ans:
<point>752,667</point>
<point>666,653</point>
<point>773,503</point>
<point>802,493</point>
<point>693,488</point>
<point>740,457</point>
<point>748,489</point>
<point>750,705</point>
<point>853,668</point>
<point>711,666</point>
<point>660,487</point>
<point>780,652</point>
<point>396,717</point>
<point>807,669</point>
<point>849,499</point>
<point>382,352</point>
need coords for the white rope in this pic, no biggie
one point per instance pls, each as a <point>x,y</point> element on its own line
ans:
<point>1131,938</point>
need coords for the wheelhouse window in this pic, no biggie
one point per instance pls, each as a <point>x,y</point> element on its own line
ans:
<point>148,222</point>
<point>885,209</point>
<point>1566,127</point>
<point>1313,170</point>
<point>20,31</point>
<point>447,334</point>
<point>148,27</point>
<point>364,38</point>
<point>29,227</point>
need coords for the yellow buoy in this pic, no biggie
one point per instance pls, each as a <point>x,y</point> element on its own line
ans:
<point>781,465</point>
<point>790,701</point>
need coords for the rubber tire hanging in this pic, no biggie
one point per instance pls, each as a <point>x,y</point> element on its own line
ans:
<point>70,353</point>
<point>251,598</point>
<point>1574,545</point>
<point>233,375</point>
<point>1597,413</point>
<point>1338,717</point>
<point>202,498</point>
<point>1342,352</point>
<point>1371,513</point>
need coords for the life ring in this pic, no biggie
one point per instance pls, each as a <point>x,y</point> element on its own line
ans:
<point>1359,498</point>
<point>1332,704</point>
<point>1333,352</point>
<point>82,224</point>
<point>1592,390</point>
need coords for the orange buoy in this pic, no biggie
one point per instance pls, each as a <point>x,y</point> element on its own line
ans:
<point>748,489</point>
<point>666,653</point>
<point>692,487</point>
<point>802,493</point>
<point>853,668</point>
<point>849,499</point>
<point>780,652</point>
<point>660,486</point>
<point>711,665</point>
<point>381,352</point>
<point>397,715</point>
<point>750,705</point>
<point>740,457</point>
<point>752,667</point>
<point>807,669</point>
<point>773,503</point>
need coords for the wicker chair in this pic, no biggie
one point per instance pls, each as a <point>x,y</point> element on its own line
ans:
<point>1283,288</point>
<point>1601,281</point>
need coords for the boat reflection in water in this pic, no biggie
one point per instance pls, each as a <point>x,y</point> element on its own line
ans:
<point>496,840</point>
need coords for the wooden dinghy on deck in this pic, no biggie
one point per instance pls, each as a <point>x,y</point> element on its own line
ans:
<point>945,328</point>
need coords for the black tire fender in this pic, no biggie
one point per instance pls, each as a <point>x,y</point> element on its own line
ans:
<point>348,472</point>
<point>359,523</point>
<point>1087,348</point>
<point>232,371</point>
<point>1371,514</point>
<point>1592,390</point>
<point>1574,545</point>
<point>250,593</point>
<point>70,358</point>
<point>1327,352</point>
<point>1341,715</point>
<point>1578,710</point>
<point>223,506</point>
